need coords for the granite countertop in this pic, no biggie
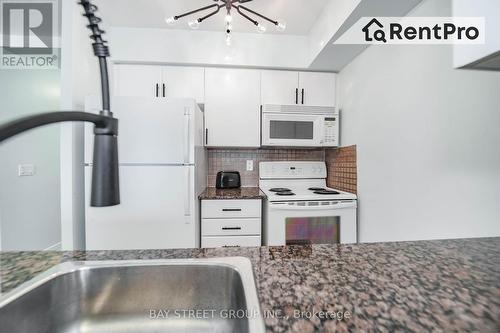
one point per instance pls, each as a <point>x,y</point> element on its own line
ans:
<point>439,286</point>
<point>212,193</point>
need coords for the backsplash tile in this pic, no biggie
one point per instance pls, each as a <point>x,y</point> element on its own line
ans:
<point>236,159</point>
<point>342,168</point>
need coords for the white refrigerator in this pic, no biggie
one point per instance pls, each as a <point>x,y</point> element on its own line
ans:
<point>163,169</point>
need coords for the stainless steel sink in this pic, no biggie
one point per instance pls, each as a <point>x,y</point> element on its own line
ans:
<point>137,296</point>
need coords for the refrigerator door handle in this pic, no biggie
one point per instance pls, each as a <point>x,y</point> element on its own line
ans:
<point>187,132</point>
<point>187,199</point>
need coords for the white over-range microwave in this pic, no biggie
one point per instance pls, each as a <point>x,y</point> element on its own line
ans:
<point>299,126</point>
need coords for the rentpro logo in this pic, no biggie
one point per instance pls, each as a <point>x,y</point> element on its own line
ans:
<point>415,30</point>
<point>374,31</point>
<point>28,34</point>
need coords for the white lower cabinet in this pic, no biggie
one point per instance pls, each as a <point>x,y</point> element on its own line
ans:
<point>231,241</point>
<point>226,209</point>
<point>231,223</point>
<point>231,227</point>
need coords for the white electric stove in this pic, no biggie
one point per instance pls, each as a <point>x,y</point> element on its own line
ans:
<point>301,209</point>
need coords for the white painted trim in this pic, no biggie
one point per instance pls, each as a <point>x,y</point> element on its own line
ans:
<point>0,231</point>
<point>55,247</point>
<point>66,129</point>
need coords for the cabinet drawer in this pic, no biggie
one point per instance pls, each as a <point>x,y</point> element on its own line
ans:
<point>230,227</point>
<point>213,209</point>
<point>230,241</point>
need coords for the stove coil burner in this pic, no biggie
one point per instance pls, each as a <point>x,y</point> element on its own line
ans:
<point>325,192</point>
<point>286,193</point>
<point>280,190</point>
<point>316,189</point>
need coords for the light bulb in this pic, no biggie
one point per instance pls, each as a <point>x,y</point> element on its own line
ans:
<point>171,20</point>
<point>281,26</point>
<point>261,28</point>
<point>228,40</point>
<point>194,24</point>
<point>229,18</point>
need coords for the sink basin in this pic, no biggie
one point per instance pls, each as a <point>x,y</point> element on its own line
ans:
<point>192,295</point>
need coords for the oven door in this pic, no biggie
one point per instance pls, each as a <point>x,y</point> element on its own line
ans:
<point>295,130</point>
<point>312,222</point>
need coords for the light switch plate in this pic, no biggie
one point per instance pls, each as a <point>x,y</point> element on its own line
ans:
<point>249,165</point>
<point>25,170</point>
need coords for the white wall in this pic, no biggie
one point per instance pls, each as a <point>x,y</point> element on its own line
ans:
<point>29,206</point>
<point>207,48</point>
<point>428,141</point>
<point>490,10</point>
<point>336,12</point>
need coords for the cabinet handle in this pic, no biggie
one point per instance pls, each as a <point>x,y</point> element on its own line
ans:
<point>302,96</point>
<point>231,246</point>
<point>164,88</point>
<point>297,96</point>
<point>157,90</point>
<point>206,137</point>
<point>231,228</point>
<point>231,209</point>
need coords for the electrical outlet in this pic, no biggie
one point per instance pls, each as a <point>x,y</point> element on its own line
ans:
<point>25,170</point>
<point>250,165</point>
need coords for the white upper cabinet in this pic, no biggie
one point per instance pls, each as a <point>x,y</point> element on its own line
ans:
<point>183,82</point>
<point>159,81</point>
<point>280,87</point>
<point>232,107</point>
<point>304,88</point>
<point>317,89</point>
<point>136,80</point>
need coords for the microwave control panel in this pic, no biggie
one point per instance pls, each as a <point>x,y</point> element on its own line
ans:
<point>331,126</point>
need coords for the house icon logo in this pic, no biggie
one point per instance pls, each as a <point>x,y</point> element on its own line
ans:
<point>374,31</point>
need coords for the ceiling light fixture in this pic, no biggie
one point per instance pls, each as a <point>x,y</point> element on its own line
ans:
<point>194,24</point>
<point>245,12</point>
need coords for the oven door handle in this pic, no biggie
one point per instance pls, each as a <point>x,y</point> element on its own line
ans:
<point>338,205</point>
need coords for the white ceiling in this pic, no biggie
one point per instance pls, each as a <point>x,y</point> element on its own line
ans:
<point>300,15</point>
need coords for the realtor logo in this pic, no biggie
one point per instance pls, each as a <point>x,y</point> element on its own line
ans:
<point>29,33</point>
<point>27,28</point>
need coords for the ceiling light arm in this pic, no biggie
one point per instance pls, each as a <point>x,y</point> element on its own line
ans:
<point>197,11</point>
<point>211,14</point>
<point>246,16</point>
<point>255,13</point>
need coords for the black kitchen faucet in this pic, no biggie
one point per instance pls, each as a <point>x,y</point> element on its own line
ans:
<point>105,178</point>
